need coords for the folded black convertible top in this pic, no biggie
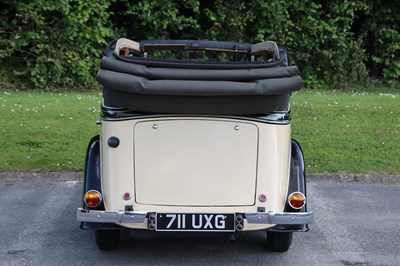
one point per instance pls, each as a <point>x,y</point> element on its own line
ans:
<point>134,80</point>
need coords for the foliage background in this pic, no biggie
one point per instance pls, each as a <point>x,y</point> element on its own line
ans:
<point>52,44</point>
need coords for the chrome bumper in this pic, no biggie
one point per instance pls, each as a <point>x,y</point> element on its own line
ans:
<point>110,217</point>
<point>280,218</point>
<point>139,217</point>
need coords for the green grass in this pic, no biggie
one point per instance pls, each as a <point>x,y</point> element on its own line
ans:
<point>46,131</point>
<point>339,131</point>
<point>348,131</point>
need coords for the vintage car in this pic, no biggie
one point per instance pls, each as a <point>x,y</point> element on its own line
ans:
<point>195,137</point>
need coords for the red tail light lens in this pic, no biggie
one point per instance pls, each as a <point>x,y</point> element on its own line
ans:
<point>297,200</point>
<point>93,198</point>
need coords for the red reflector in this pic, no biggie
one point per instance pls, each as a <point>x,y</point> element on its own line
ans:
<point>127,196</point>
<point>262,198</point>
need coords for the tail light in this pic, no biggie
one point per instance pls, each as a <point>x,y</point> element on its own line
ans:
<point>93,198</point>
<point>297,200</point>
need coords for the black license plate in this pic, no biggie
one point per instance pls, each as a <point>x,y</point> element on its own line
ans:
<point>190,222</point>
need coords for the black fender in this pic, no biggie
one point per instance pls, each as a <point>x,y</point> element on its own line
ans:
<point>92,177</point>
<point>92,180</point>
<point>297,178</point>
<point>297,182</point>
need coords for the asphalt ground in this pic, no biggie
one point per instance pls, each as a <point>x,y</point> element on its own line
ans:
<point>356,223</point>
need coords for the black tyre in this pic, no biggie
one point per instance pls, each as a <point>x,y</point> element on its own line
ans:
<point>107,239</point>
<point>279,241</point>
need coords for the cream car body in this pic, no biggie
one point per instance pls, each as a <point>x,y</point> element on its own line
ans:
<point>195,165</point>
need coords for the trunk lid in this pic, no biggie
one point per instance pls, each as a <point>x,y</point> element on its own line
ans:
<point>195,162</point>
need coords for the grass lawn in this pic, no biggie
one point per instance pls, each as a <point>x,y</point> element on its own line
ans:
<point>46,131</point>
<point>348,131</point>
<point>339,131</point>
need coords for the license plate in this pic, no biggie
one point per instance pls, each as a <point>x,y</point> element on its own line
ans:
<point>189,222</point>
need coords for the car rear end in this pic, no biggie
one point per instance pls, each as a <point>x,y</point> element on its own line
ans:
<point>218,160</point>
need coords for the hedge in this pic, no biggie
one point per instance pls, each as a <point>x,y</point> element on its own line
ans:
<point>57,44</point>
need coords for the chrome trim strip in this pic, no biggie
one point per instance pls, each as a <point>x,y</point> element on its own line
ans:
<point>109,113</point>
<point>283,118</point>
<point>110,217</point>
<point>280,218</point>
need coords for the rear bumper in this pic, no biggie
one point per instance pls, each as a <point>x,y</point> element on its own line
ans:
<point>110,217</point>
<point>278,218</point>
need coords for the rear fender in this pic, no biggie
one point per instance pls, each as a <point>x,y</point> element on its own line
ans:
<point>92,181</point>
<point>297,182</point>
<point>92,178</point>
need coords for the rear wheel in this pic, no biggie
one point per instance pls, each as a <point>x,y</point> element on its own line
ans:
<point>107,239</point>
<point>279,241</point>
